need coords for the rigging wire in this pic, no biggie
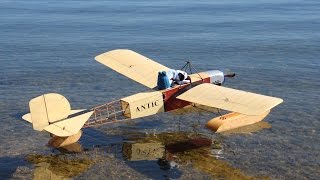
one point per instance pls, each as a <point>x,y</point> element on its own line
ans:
<point>190,66</point>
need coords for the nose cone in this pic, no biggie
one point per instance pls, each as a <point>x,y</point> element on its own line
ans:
<point>229,74</point>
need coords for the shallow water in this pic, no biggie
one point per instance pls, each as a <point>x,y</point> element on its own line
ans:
<point>273,46</point>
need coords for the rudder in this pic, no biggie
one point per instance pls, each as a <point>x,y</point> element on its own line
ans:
<point>48,108</point>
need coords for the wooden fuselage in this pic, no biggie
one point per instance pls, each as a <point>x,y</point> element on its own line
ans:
<point>150,103</point>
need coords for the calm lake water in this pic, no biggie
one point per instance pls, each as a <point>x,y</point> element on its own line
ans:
<point>273,46</point>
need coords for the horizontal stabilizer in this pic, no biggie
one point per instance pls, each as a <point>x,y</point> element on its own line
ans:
<point>230,99</point>
<point>69,126</point>
<point>27,117</point>
<point>132,65</point>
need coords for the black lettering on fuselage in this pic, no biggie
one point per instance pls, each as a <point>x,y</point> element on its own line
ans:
<point>147,106</point>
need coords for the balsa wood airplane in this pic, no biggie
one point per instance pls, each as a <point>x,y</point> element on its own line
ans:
<point>52,112</point>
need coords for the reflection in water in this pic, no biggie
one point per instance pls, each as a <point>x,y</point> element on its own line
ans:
<point>143,151</point>
<point>43,171</point>
<point>174,153</point>
<point>249,129</point>
<point>184,149</point>
<point>59,166</point>
<point>187,145</point>
<point>72,148</point>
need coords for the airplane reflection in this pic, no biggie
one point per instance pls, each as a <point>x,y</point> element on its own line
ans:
<point>172,150</point>
<point>176,150</point>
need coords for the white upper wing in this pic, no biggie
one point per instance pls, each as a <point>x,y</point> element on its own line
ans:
<point>132,65</point>
<point>230,99</point>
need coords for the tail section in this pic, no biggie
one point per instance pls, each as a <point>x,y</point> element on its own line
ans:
<point>69,126</point>
<point>52,112</point>
<point>48,108</point>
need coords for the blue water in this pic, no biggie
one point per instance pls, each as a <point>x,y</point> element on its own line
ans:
<point>273,46</point>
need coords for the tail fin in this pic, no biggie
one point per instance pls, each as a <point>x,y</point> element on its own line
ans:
<point>46,109</point>
<point>52,112</point>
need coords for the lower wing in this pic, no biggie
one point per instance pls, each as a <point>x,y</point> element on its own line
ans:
<point>230,99</point>
<point>247,108</point>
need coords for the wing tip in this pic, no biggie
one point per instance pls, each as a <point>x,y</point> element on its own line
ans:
<point>99,57</point>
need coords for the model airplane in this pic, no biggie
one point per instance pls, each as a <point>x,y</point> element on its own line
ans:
<point>52,112</point>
